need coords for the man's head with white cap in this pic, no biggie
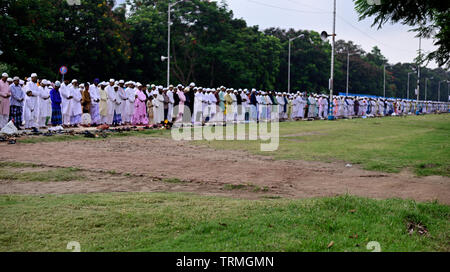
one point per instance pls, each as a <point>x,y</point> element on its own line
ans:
<point>4,77</point>
<point>111,82</point>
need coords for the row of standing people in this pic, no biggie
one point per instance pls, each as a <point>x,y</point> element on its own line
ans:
<point>38,103</point>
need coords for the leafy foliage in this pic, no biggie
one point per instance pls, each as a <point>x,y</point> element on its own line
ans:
<point>431,19</point>
<point>208,46</point>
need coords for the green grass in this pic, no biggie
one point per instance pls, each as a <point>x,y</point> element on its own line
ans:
<point>17,171</point>
<point>420,144</point>
<point>185,222</point>
<point>172,180</point>
<point>247,186</point>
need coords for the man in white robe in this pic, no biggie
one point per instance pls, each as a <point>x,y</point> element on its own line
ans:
<point>31,109</point>
<point>158,105</point>
<point>171,97</point>
<point>66,102</point>
<point>44,98</point>
<point>130,92</point>
<point>112,100</point>
<point>75,117</point>
<point>95,100</point>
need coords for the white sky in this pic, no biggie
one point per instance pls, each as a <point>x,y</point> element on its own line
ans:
<point>395,42</point>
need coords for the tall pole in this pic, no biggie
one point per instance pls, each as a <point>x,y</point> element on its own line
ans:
<point>289,68</point>
<point>348,68</point>
<point>289,61</point>
<point>168,45</point>
<point>407,90</point>
<point>332,62</point>
<point>426,81</point>
<point>418,69</point>
<point>384,81</point>
<point>439,91</point>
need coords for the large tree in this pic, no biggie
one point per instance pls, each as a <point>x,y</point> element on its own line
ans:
<point>41,35</point>
<point>430,19</point>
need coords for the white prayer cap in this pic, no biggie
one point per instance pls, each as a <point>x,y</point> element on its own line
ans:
<point>21,82</point>
<point>81,85</point>
<point>9,79</point>
<point>57,83</point>
<point>112,80</point>
<point>195,88</point>
<point>16,78</point>
<point>253,90</point>
<point>192,84</point>
<point>170,86</point>
<point>33,75</point>
<point>74,81</point>
<point>179,86</point>
<point>4,75</point>
<point>213,89</point>
<point>165,89</point>
<point>139,84</point>
<point>153,86</point>
<point>121,81</point>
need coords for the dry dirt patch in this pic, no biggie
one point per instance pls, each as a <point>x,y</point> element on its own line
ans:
<point>138,164</point>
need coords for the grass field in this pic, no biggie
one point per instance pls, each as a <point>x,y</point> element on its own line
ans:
<point>184,222</point>
<point>420,144</point>
<point>188,222</point>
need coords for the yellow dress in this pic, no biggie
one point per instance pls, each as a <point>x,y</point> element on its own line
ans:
<point>103,105</point>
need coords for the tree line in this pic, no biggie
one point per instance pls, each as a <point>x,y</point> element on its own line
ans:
<point>98,39</point>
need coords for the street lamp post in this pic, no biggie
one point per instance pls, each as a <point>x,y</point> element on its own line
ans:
<point>418,69</point>
<point>384,79</point>
<point>426,87</point>
<point>348,69</point>
<point>324,36</point>
<point>439,90</point>
<point>407,91</point>
<point>289,61</point>
<point>170,6</point>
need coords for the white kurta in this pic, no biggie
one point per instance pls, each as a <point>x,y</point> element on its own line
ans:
<point>76,103</point>
<point>44,95</point>
<point>122,98</point>
<point>170,105</point>
<point>129,104</point>
<point>66,103</point>
<point>31,109</point>
<point>158,104</point>
<point>112,97</point>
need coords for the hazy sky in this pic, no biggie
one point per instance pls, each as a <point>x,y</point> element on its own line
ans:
<point>395,42</point>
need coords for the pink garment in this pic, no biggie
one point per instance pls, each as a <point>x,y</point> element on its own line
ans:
<point>336,107</point>
<point>181,105</point>
<point>4,102</point>
<point>320,105</point>
<point>140,110</point>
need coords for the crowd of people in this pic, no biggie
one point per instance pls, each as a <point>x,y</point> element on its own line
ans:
<point>35,103</point>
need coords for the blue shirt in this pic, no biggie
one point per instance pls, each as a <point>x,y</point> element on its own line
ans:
<point>16,95</point>
<point>56,99</point>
